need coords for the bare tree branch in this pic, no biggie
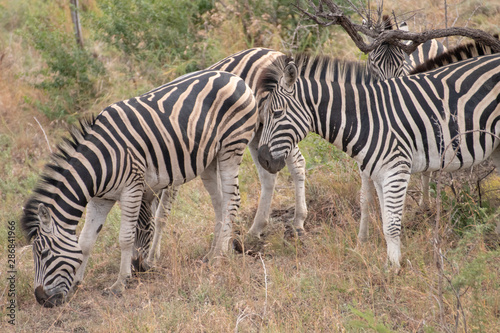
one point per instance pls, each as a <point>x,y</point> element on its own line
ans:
<point>327,13</point>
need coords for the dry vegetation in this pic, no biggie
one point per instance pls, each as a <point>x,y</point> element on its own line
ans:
<point>322,283</point>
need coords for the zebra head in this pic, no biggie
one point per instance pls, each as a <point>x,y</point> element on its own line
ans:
<point>387,60</point>
<point>283,124</point>
<point>57,258</point>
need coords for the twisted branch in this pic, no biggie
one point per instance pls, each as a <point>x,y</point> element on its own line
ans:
<point>327,13</point>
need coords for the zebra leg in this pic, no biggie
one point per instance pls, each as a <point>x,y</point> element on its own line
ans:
<point>365,199</point>
<point>211,181</point>
<point>168,196</point>
<point>267,183</point>
<point>297,167</point>
<point>144,231</point>
<point>229,206</point>
<point>424,199</point>
<point>130,199</point>
<point>392,194</point>
<point>97,210</point>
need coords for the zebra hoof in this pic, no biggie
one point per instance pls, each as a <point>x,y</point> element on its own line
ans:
<point>112,292</point>
<point>292,234</point>
<point>140,265</point>
<point>251,245</point>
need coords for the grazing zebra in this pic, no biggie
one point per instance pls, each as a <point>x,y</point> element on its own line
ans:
<point>249,65</point>
<point>132,149</point>
<point>445,119</point>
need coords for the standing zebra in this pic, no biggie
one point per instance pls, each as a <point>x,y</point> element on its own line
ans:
<point>132,149</point>
<point>249,65</point>
<point>445,119</point>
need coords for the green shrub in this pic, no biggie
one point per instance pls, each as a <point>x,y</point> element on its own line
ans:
<point>153,34</point>
<point>71,73</point>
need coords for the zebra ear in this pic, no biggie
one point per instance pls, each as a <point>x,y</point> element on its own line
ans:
<point>290,75</point>
<point>45,219</point>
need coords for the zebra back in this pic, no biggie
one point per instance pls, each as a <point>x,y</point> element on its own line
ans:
<point>459,53</point>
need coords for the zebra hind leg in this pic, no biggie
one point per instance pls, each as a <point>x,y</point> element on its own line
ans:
<point>168,196</point>
<point>392,194</point>
<point>230,204</point>
<point>145,228</point>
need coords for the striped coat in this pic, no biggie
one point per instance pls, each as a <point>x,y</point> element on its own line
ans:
<point>131,150</point>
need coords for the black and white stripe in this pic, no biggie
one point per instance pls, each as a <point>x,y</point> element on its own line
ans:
<point>388,61</point>
<point>445,119</point>
<point>249,65</point>
<point>131,150</point>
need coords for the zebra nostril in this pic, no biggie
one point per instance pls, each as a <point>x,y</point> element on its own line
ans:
<point>264,157</point>
<point>40,295</point>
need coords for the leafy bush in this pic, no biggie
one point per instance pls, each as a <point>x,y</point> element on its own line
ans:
<point>154,33</point>
<point>461,201</point>
<point>71,72</point>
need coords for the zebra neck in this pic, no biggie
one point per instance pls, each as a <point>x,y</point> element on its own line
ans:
<point>336,110</point>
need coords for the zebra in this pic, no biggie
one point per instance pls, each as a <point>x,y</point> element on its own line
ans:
<point>388,61</point>
<point>385,62</point>
<point>249,65</point>
<point>192,126</point>
<point>445,119</point>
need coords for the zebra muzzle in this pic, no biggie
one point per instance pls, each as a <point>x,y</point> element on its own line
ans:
<point>48,301</point>
<point>267,161</point>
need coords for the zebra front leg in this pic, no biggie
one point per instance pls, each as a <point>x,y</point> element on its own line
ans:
<point>297,167</point>
<point>267,183</point>
<point>392,194</point>
<point>424,199</point>
<point>365,200</point>
<point>168,196</point>
<point>97,210</point>
<point>130,204</point>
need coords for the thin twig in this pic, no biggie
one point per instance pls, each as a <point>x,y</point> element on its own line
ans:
<point>46,139</point>
<point>265,284</point>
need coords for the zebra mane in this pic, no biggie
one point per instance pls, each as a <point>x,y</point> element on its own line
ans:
<point>320,67</point>
<point>51,175</point>
<point>459,53</point>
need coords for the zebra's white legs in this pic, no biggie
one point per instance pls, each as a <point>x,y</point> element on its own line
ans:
<point>168,196</point>
<point>267,183</point>
<point>230,203</point>
<point>392,193</point>
<point>97,210</point>
<point>297,167</point>
<point>365,198</point>
<point>424,198</point>
<point>130,200</point>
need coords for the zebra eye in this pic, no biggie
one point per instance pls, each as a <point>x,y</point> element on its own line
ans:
<point>44,253</point>
<point>278,113</point>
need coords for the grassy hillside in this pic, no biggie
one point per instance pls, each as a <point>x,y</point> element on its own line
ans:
<point>325,282</point>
